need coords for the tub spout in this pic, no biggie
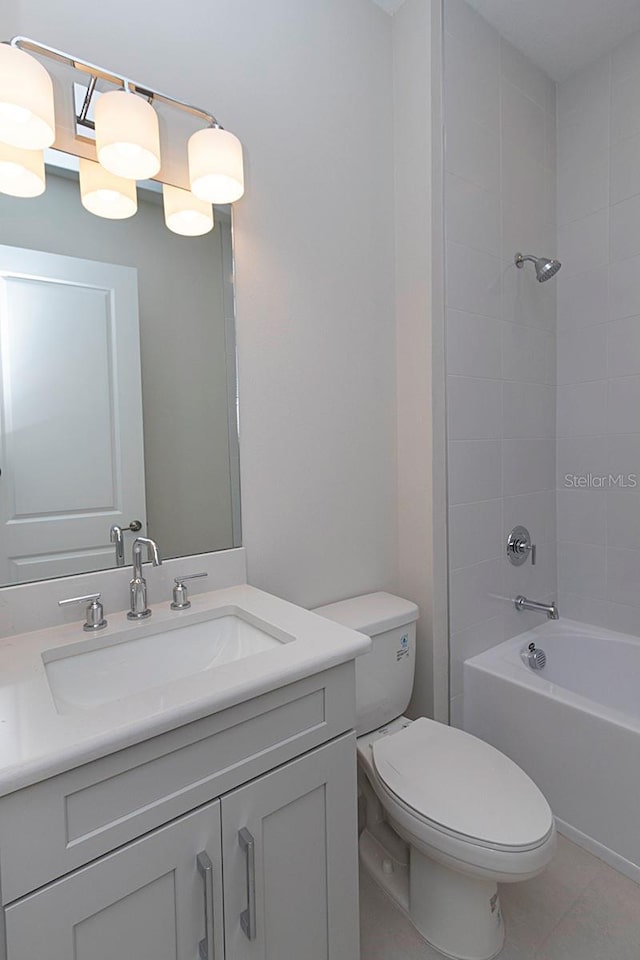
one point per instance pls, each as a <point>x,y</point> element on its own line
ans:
<point>551,609</point>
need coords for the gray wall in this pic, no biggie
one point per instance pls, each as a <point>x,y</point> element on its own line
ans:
<point>499,198</point>
<point>503,146</point>
<point>599,341</point>
<point>182,334</point>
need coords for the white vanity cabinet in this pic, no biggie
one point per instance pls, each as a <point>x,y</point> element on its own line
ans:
<point>293,896</point>
<point>255,856</point>
<point>144,902</point>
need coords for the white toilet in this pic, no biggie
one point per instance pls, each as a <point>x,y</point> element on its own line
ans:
<point>445,817</point>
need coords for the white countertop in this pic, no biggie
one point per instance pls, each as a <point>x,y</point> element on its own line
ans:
<point>36,741</point>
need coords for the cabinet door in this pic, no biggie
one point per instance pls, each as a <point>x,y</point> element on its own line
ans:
<point>150,900</point>
<point>291,861</point>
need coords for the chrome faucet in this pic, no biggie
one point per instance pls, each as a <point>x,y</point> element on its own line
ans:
<point>138,585</point>
<point>551,609</point>
<point>116,535</point>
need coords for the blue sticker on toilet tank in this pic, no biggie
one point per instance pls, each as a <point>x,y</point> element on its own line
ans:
<point>403,649</point>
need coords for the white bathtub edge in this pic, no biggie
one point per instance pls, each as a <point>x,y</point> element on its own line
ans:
<point>517,717</point>
<point>612,859</point>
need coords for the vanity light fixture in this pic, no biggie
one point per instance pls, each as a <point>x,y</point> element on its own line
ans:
<point>186,214</point>
<point>127,135</point>
<point>21,171</point>
<point>105,194</point>
<point>27,117</point>
<point>215,165</point>
<point>127,138</point>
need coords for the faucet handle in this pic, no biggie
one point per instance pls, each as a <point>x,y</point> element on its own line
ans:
<point>180,595</point>
<point>519,546</point>
<point>95,611</point>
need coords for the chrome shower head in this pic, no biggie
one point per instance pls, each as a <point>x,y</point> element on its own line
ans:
<point>545,269</point>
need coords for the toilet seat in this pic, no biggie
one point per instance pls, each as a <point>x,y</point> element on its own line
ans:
<point>470,843</point>
<point>460,785</point>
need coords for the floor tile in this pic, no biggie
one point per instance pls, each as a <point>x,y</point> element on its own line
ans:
<point>533,908</point>
<point>578,909</point>
<point>385,933</point>
<point>511,952</point>
<point>603,923</point>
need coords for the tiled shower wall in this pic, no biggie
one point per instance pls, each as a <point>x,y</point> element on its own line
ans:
<point>501,332</point>
<point>599,342</point>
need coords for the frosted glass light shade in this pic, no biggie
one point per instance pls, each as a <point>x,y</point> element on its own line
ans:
<point>21,171</point>
<point>186,214</point>
<point>26,101</point>
<point>216,169</point>
<point>127,135</point>
<point>105,194</point>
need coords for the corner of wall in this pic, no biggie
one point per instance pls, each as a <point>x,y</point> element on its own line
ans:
<point>421,490</point>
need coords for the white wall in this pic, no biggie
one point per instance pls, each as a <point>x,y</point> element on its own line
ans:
<point>599,340</point>
<point>307,87</point>
<point>500,325</point>
<point>419,319</point>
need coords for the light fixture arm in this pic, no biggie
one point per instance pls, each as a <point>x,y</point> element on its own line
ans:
<point>83,118</point>
<point>100,73</point>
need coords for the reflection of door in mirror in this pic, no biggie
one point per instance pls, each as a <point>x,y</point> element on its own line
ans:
<point>72,455</point>
<point>186,355</point>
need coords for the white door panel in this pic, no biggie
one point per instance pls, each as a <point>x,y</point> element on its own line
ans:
<point>72,454</point>
<point>57,389</point>
<point>59,564</point>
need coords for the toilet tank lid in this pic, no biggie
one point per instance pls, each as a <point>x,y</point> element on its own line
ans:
<point>372,613</point>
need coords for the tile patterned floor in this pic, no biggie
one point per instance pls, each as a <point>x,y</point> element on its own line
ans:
<point>579,909</point>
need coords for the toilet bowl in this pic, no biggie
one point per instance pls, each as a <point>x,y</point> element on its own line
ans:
<point>470,818</point>
<point>444,816</point>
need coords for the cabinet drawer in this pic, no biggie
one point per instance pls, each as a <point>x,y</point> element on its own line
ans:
<point>87,812</point>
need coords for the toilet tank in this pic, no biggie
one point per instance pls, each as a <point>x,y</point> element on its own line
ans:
<point>384,676</point>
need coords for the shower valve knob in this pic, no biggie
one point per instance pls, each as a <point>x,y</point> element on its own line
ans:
<point>519,546</point>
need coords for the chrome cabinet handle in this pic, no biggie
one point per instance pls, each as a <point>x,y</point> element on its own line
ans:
<point>205,869</point>
<point>248,916</point>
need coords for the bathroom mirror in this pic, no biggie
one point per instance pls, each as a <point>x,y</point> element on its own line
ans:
<point>118,399</point>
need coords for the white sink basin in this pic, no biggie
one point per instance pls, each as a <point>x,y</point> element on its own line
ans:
<point>88,674</point>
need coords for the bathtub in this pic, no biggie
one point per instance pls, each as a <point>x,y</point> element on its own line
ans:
<point>574,727</point>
